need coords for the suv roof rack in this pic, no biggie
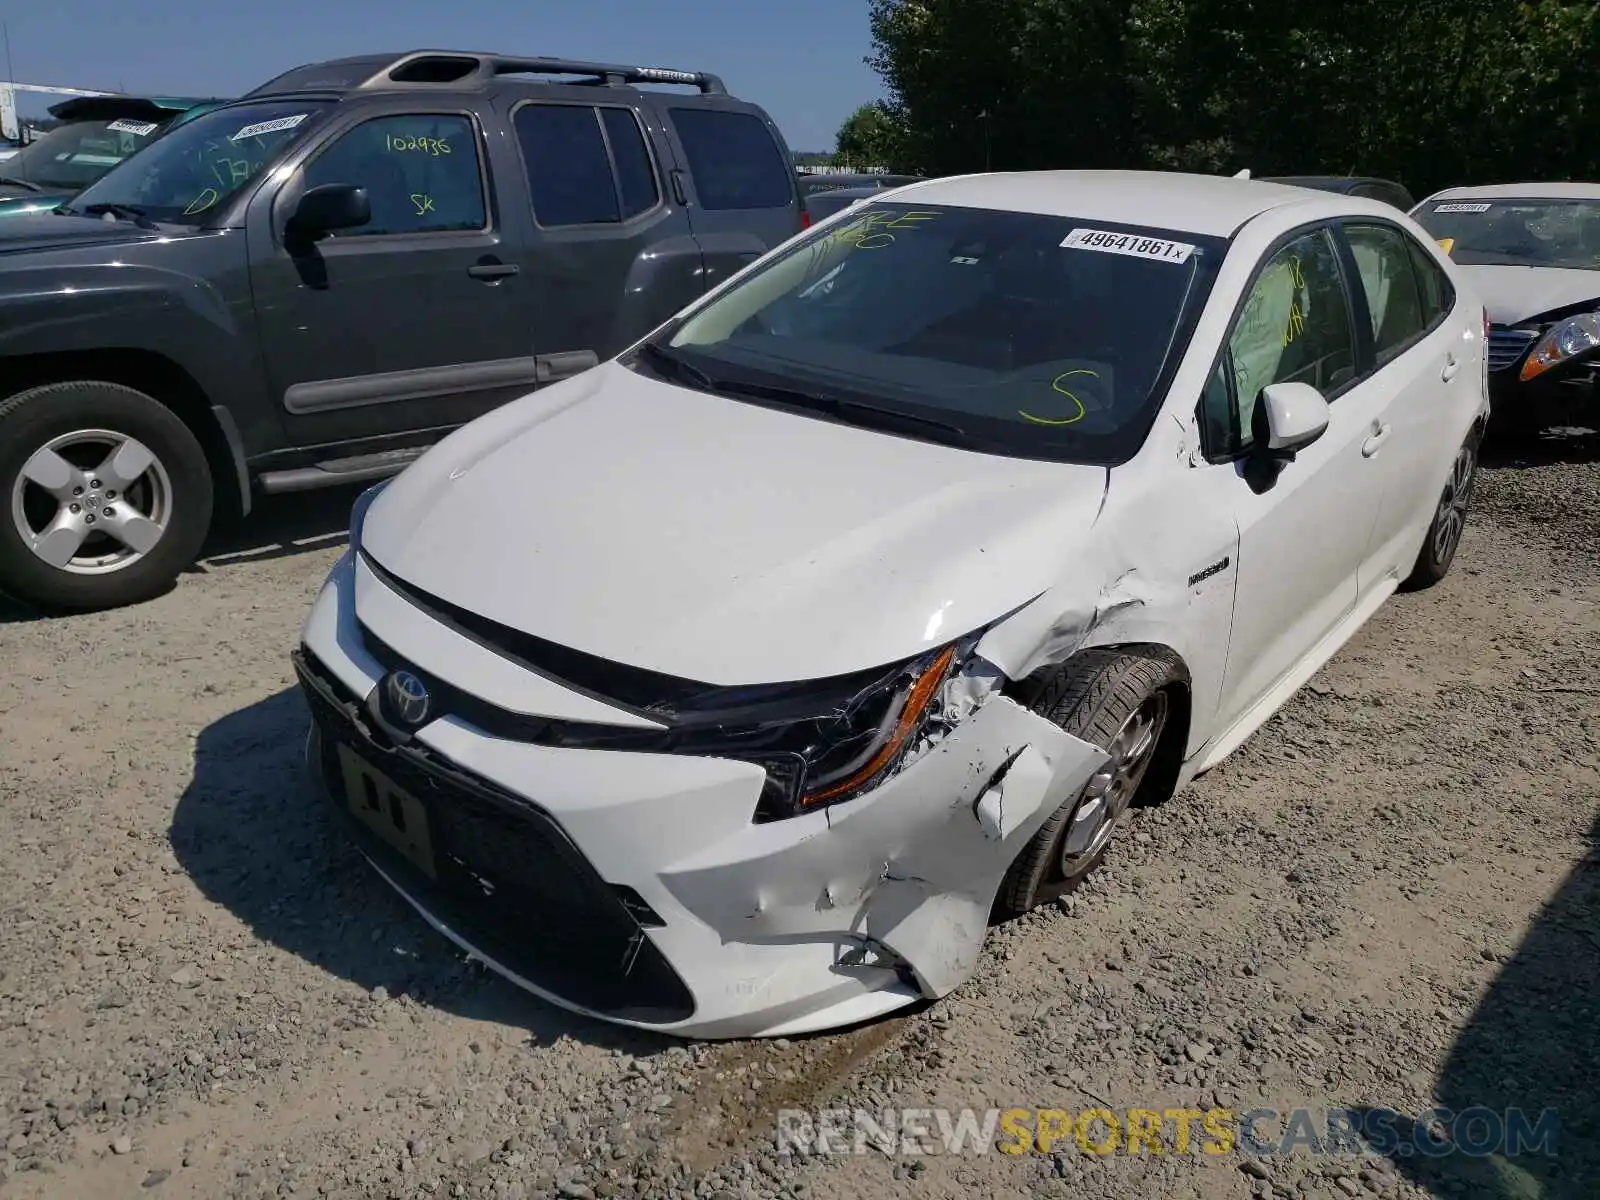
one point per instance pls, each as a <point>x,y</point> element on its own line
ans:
<point>466,69</point>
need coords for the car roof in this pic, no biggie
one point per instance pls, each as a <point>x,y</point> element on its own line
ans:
<point>468,70</point>
<point>1210,205</point>
<point>1517,191</point>
<point>1332,183</point>
<point>835,193</point>
<point>99,108</point>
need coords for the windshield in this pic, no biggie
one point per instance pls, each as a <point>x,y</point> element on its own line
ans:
<point>74,155</point>
<point>1033,336</point>
<point>202,162</point>
<point>1517,233</point>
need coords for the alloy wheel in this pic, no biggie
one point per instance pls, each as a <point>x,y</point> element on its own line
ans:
<point>1107,795</point>
<point>92,501</point>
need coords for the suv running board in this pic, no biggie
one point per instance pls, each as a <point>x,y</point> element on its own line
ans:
<point>340,470</point>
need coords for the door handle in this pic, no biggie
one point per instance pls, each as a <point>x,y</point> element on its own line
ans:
<point>1375,441</point>
<point>1452,364</point>
<point>492,270</point>
<point>678,191</point>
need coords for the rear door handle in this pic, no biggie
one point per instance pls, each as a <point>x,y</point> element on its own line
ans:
<point>1375,441</point>
<point>492,270</point>
<point>1452,364</point>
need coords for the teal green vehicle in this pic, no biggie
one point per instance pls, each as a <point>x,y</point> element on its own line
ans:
<point>95,134</point>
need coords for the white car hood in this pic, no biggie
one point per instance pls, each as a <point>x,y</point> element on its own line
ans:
<point>1513,294</point>
<point>720,541</point>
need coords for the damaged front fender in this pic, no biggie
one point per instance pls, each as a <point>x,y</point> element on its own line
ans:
<point>913,866</point>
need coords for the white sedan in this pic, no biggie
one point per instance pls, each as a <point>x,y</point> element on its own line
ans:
<point>732,687</point>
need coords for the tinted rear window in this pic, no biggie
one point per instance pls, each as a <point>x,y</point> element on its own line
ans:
<point>733,159</point>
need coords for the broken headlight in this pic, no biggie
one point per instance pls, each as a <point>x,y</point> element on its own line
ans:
<point>829,759</point>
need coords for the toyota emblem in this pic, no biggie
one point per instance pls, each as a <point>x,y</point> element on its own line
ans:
<point>408,698</point>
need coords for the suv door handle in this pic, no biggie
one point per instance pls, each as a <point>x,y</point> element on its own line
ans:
<point>1452,364</point>
<point>1379,434</point>
<point>492,269</point>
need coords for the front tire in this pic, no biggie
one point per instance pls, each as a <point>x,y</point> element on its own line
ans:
<point>1122,701</point>
<point>105,496</point>
<point>1449,521</point>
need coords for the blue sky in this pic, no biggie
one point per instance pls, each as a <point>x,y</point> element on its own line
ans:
<point>799,59</point>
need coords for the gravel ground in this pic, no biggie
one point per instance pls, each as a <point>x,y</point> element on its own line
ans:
<point>1387,897</point>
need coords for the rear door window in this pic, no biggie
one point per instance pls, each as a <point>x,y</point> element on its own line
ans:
<point>733,160</point>
<point>586,165</point>
<point>1389,282</point>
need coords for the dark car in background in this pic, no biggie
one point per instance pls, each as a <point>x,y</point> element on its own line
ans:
<point>95,134</point>
<point>320,280</point>
<point>812,184</point>
<point>1385,190</point>
<point>820,205</point>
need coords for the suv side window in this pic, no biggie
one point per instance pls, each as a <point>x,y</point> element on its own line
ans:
<point>733,159</point>
<point>1294,327</point>
<point>586,165</point>
<point>1389,281</point>
<point>421,173</point>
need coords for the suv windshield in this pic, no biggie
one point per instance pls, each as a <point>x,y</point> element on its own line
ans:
<point>1034,336</point>
<point>1517,233</point>
<point>73,155</point>
<point>197,165</point>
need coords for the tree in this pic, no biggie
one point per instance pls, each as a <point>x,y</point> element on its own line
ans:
<point>869,138</point>
<point>1431,92</point>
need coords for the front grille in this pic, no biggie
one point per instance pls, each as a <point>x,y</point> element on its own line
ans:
<point>507,878</point>
<point>1507,346</point>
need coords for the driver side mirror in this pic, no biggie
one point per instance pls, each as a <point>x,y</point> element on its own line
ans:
<point>1288,418</point>
<point>327,208</point>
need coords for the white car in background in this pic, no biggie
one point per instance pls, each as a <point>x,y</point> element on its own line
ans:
<point>731,687</point>
<point>1532,251</point>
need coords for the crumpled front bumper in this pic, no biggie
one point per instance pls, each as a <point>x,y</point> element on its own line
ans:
<point>773,929</point>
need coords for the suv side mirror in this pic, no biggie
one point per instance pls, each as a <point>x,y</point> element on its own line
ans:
<point>1288,418</point>
<point>329,207</point>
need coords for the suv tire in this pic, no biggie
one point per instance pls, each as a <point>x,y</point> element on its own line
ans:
<point>105,496</point>
<point>1121,701</point>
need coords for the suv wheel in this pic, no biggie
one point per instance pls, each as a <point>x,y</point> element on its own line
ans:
<point>106,496</point>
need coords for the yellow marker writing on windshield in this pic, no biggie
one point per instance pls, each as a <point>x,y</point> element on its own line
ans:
<point>201,202</point>
<point>422,203</point>
<point>1055,385</point>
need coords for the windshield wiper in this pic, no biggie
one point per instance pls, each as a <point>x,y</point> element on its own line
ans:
<point>851,411</point>
<point>13,181</point>
<point>675,365</point>
<point>848,411</point>
<point>126,212</point>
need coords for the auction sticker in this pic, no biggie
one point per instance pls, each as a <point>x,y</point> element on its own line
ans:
<point>137,128</point>
<point>261,127</point>
<point>1457,207</point>
<point>1107,242</point>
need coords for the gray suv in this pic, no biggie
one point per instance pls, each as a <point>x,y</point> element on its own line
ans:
<point>314,283</point>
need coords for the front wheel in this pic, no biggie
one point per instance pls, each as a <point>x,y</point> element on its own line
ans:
<point>1449,521</point>
<point>1123,702</point>
<point>107,496</point>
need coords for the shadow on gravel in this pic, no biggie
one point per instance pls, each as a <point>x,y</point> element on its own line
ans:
<point>1529,1063</point>
<point>1548,449</point>
<point>253,833</point>
<point>281,526</point>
